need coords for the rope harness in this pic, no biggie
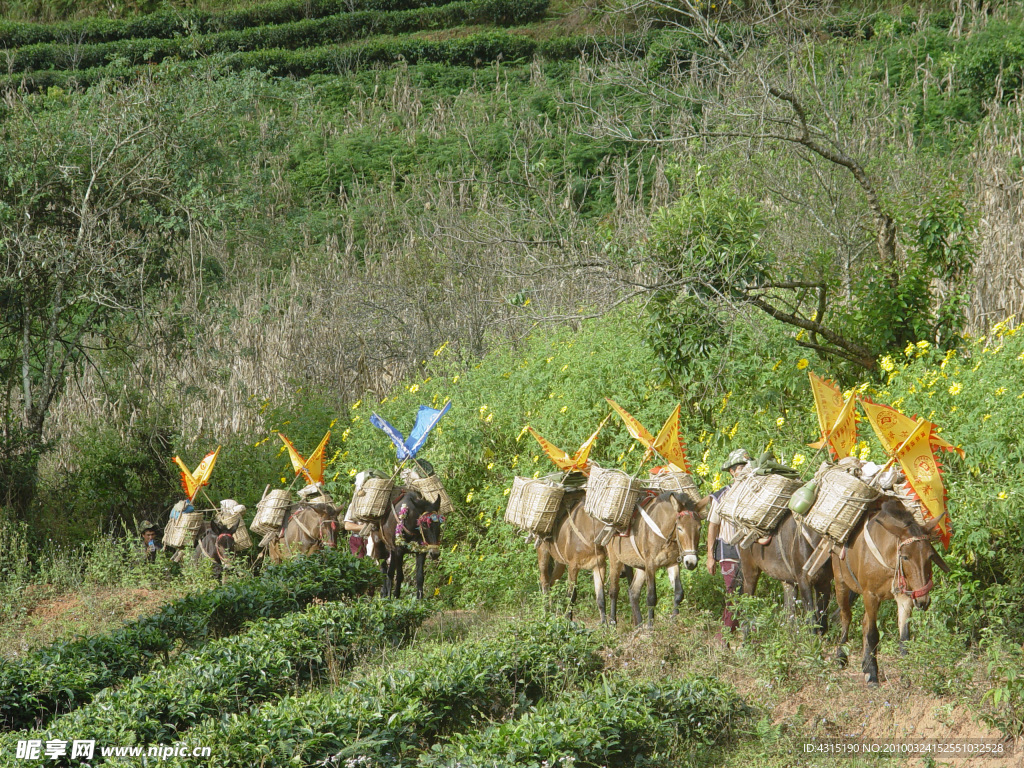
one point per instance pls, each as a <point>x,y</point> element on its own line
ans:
<point>419,546</point>
<point>656,529</point>
<point>899,577</point>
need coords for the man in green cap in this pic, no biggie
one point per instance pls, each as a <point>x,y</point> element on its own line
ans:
<point>720,531</point>
<point>150,541</point>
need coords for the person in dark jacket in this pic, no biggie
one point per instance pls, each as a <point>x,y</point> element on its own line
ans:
<point>151,543</point>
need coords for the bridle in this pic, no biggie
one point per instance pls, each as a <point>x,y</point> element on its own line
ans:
<point>899,577</point>
<point>679,532</point>
<point>419,543</point>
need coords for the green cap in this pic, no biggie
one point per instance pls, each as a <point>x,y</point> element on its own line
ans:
<point>145,525</point>
<point>738,456</point>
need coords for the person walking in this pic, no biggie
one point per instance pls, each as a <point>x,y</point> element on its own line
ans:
<point>720,531</point>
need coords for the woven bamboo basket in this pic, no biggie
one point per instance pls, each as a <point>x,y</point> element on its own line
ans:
<point>679,482</point>
<point>373,500</point>
<point>230,514</point>
<point>430,488</point>
<point>842,499</point>
<point>182,529</point>
<point>270,512</point>
<point>514,508</point>
<point>758,502</point>
<point>611,496</point>
<point>534,504</point>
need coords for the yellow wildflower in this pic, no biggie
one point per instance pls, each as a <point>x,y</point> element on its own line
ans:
<point>284,480</point>
<point>776,366</point>
<point>551,395</point>
<point>1001,495</point>
<point>565,368</point>
<point>955,388</point>
<point>515,460</point>
<point>563,409</point>
<point>536,459</point>
<point>780,421</point>
<point>507,491</point>
<point>865,452</point>
<point>352,472</point>
<point>732,432</point>
<point>491,465</point>
<point>716,481</point>
<point>986,417</point>
<point>414,388</point>
<point>482,409</point>
<point>798,460</point>
<point>887,364</point>
<point>1000,391</point>
<point>440,349</point>
<point>909,351</point>
<point>469,497</point>
<point>549,359</point>
<point>802,363</point>
<point>801,334</point>
<point>703,469</point>
<point>490,418</point>
<point>456,379</point>
<point>356,404</point>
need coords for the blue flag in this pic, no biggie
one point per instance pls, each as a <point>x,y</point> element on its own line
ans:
<point>426,419</point>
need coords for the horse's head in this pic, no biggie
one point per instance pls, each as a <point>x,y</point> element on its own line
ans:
<point>222,548</point>
<point>327,522</point>
<point>687,525</point>
<point>914,552</point>
<point>419,522</point>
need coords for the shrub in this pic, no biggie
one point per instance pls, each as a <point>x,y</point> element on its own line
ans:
<point>271,659</point>
<point>67,674</point>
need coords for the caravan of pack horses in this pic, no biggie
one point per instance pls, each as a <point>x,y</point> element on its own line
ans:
<point>855,528</point>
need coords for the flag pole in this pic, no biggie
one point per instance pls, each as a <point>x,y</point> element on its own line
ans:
<point>896,454</point>
<point>825,439</point>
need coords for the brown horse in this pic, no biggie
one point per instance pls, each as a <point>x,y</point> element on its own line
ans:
<point>216,542</point>
<point>572,548</point>
<point>306,529</point>
<point>888,556</point>
<point>662,534</point>
<point>783,558</point>
<point>413,525</point>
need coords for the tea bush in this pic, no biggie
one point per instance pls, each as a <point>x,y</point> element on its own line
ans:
<point>614,722</point>
<point>67,674</point>
<point>273,658</point>
<point>419,698</point>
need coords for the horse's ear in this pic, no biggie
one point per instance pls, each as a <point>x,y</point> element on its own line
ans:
<point>677,505</point>
<point>435,505</point>
<point>233,528</point>
<point>938,560</point>
<point>891,525</point>
<point>216,527</point>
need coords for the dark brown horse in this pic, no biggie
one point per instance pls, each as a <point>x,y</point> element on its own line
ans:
<point>662,534</point>
<point>783,558</point>
<point>413,525</point>
<point>887,556</point>
<point>307,528</point>
<point>572,548</point>
<point>216,542</point>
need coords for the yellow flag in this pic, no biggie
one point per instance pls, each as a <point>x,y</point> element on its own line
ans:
<point>837,420</point>
<point>315,463</point>
<point>578,461</point>
<point>893,428</point>
<point>669,444</point>
<point>924,475</point>
<point>636,429</point>
<point>561,459</point>
<point>298,463</point>
<point>188,481</point>
<point>193,481</point>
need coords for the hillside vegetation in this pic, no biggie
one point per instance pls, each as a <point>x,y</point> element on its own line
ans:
<point>228,220</point>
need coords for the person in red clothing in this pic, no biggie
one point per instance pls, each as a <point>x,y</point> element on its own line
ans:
<point>720,531</point>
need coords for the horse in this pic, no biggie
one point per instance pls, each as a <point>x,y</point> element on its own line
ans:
<point>217,543</point>
<point>783,558</point>
<point>570,548</point>
<point>661,534</point>
<point>307,528</point>
<point>413,525</point>
<point>887,556</point>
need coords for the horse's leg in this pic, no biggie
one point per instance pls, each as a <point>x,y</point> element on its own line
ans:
<point>397,572</point>
<point>652,594</point>
<point>421,558</point>
<point>845,603</point>
<point>635,585</point>
<point>599,593</point>
<point>385,568</point>
<point>789,599</point>
<point>543,570</point>
<point>904,607</point>
<point>614,572</point>
<point>677,587</point>
<point>574,573</point>
<point>870,664</point>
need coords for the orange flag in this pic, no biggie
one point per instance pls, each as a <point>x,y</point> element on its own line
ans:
<point>193,481</point>
<point>636,429</point>
<point>837,420</point>
<point>924,475</point>
<point>893,428</point>
<point>578,461</point>
<point>315,462</point>
<point>669,444</point>
<point>313,467</point>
